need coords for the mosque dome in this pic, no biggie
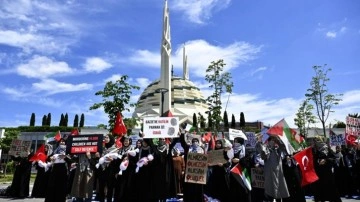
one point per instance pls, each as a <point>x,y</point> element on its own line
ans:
<point>186,99</point>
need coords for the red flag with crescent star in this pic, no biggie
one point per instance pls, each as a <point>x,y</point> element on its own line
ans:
<point>39,154</point>
<point>119,126</point>
<point>305,161</point>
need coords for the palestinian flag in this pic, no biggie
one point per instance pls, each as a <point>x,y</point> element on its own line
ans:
<point>242,175</point>
<point>54,136</point>
<point>286,135</point>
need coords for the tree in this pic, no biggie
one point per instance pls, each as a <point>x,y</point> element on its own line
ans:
<point>115,97</point>
<point>242,120</point>
<point>304,117</point>
<point>195,124</point>
<point>339,124</point>
<point>226,121</point>
<point>210,121</point>
<point>66,120</point>
<point>201,119</point>
<point>221,83</point>
<point>5,142</point>
<point>43,123</point>
<point>319,94</point>
<point>76,121</point>
<point>32,119</point>
<point>48,119</point>
<point>354,115</point>
<point>82,120</point>
<point>62,118</point>
<point>130,124</point>
<point>233,122</point>
<point>103,126</point>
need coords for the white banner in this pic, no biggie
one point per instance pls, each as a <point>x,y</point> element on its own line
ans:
<point>233,133</point>
<point>161,127</point>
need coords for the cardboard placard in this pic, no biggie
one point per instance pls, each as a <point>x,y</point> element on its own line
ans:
<point>196,168</point>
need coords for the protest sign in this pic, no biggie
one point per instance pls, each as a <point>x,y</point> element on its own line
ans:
<point>251,140</point>
<point>80,144</point>
<point>257,177</point>
<point>196,168</point>
<point>161,127</point>
<point>336,139</point>
<point>188,137</point>
<point>215,157</point>
<point>20,148</point>
<point>233,133</point>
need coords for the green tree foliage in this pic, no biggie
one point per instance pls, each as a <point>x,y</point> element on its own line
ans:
<point>339,124</point>
<point>355,115</point>
<point>48,119</point>
<point>115,97</point>
<point>242,120</point>
<point>66,120</point>
<point>210,121</point>
<point>233,121</point>
<point>304,117</point>
<point>76,121</point>
<point>195,124</point>
<point>221,83</point>
<point>226,121</point>
<point>82,120</point>
<point>43,123</point>
<point>319,94</point>
<point>9,135</point>
<point>201,119</point>
<point>130,123</point>
<point>62,119</point>
<point>32,119</point>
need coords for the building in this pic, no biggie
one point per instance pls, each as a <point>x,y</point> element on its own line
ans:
<point>171,93</point>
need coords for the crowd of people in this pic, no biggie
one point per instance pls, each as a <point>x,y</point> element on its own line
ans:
<point>154,172</point>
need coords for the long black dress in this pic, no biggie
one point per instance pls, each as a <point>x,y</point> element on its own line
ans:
<point>292,174</point>
<point>21,180</point>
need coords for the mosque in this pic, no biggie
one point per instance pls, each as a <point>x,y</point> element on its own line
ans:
<point>171,94</point>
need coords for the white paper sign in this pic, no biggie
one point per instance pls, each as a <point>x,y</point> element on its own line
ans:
<point>161,127</point>
<point>233,133</point>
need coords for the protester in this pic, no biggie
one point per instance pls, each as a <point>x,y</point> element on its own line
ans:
<point>292,174</point>
<point>275,183</point>
<point>82,185</point>
<point>21,178</point>
<point>42,176</point>
<point>57,184</point>
<point>325,188</point>
<point>192,192</point>
<point>179,170</point>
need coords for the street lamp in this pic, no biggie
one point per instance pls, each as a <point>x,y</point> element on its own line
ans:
<point>162,91</point>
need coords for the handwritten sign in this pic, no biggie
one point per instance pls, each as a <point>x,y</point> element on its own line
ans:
<point>257,177</point>
<point>80,144</point>
<point>233,133</point>
<point>352,126</point>
<point>188,137</point>
<point>336,139</point>
<point>161,127</point>
<point>196,168</point>
<point>20,148</point>
<point>215,157</point>
<point>251,140</point>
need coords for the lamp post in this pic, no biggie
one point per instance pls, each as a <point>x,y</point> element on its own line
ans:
<point>162,91</point>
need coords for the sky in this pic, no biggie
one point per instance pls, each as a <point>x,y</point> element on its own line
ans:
<point>56,54</point>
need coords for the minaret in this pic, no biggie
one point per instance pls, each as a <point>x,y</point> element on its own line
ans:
<point>165,77</point>
<point>185,67</point>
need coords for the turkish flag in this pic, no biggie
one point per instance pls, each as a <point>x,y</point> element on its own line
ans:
<point>350,139</point>
<point>39,154</point>
<point>74,132</point>
<point>305,160</point>
<point>119,127</point>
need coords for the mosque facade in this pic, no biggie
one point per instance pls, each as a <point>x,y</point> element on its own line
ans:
<point>170,93</point>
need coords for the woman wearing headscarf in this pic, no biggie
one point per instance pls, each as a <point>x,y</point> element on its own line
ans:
<point>106,171</point>
<point>57,184</point>
<point>292,173</point>
<point>325,188</point>
<point>192,192</point>
<point>124,190</point>
<point>217,185</point>
<point>42,176</point>
<point>21,180</point>
<point>179,169</point>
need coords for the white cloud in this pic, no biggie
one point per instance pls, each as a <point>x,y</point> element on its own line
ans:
<point>113,78</point>
<point>142,82</point>
<point>199,11</point>
<point>96,64</point>
<point>200,54</point>
<point>51,86</point>
<point>331,34</point>
<point>43,67</point>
